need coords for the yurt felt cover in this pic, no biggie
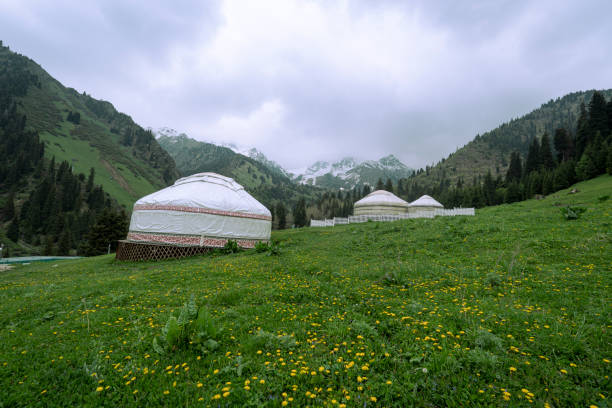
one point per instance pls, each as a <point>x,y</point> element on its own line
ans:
<point>426,201</point>
<point>204,209</point>
<point>381,197</point>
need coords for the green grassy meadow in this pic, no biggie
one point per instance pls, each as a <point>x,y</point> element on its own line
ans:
<point>508,308</point>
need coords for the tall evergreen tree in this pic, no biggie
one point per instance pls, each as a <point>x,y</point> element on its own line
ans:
<point>109,228</point>
<point>366,190</point>
<point>582,131</point>
<point>598,115</point>
<point>515,169</point>
<point>380,185</point>
<point>13,230</point>
<point>546,158</point>
<point>281,214</point>
<point>90,180</point>
<point>299,213</point>
<point>563,145</point>
<point>533,157</point>
<point>389,185</point>
<point>8,212</point>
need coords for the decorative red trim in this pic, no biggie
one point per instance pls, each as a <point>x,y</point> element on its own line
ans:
<point>188,240</point>
<point>201,211</point>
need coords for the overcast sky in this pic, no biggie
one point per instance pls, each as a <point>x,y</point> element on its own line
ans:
<point>320,80</point>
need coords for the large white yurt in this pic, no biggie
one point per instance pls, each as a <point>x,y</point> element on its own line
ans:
<point>380,202</point>
<point>203,210</point>
<point>424,204</point>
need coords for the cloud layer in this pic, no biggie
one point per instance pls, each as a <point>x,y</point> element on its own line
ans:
<point>309,80</point>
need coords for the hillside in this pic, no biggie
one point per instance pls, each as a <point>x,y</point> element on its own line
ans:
<point>507,308</point>
<point>88,133</point>
<point>491,150</point>
<point>265,184</point>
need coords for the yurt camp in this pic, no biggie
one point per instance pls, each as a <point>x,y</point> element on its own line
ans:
<point>380,202</point>
<point>424,204</point>
<point>197,213</point>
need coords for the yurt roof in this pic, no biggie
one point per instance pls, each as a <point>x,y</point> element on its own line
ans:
<point>207,191</point>
<point>425,201</point>
<point>381,197</point>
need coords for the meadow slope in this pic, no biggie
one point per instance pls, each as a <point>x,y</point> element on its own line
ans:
<point>508,308</point>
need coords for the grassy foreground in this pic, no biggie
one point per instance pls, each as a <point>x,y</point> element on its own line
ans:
<point>508,308</point>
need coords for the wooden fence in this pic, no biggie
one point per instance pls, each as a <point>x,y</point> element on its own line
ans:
<point>441,212</point>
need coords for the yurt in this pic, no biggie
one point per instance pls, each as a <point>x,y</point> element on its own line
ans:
<point>424,204</point>
<point>380,202</point>
<point>197,213</point>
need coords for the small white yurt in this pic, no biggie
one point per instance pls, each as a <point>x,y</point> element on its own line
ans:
<point>424,204</point>
<point>203,210</point>
<point>380,202</point>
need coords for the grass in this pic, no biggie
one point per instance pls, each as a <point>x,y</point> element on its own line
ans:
<point>508,308</point>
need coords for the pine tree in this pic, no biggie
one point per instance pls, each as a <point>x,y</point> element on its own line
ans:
<point>513,193</point>
<point>533,157</point>
<point>515,169</point>
<point>49,247</point>
<point>564,175</point>
<point>545,154</point>
<point>64,243</point>
<point>13,230</point>
<point>598,115</point>
<point>366,190</point>
<point>609,160</point>
<point>281,214</point>
<point>563,145</point>
<point>585,168</point>
<point>90,180</point>
<point>380,185</point>
<point>299,213</point>
<point>109,228</point>
<point>8,212</point>
<point>389,185</point>
<point>582,131</point>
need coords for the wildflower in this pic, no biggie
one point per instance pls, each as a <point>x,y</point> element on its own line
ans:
<point>99,389</point>
<point>373,399</point>
<point>512,369</point>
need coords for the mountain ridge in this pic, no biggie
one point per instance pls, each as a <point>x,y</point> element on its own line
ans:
<point>91,133</point>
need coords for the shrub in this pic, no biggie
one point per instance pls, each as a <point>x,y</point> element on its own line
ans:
<point>572,213</point>
<point>231,247</point>
<point>261,247</point>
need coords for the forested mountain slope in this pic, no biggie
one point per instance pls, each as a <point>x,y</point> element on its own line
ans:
<point>87,133</point>
<point>491,150</point>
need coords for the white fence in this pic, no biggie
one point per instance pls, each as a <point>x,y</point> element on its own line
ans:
<point>441,212</point>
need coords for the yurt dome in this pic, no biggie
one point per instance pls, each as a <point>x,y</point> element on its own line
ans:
<point>424,203</point>
<point>380,202</point>
<point>204,210</point>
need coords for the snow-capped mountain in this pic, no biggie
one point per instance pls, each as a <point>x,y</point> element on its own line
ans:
<point>345,173</point>
<point>350,172</point>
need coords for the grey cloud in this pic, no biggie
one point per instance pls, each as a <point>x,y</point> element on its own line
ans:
<point>437,74</point>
